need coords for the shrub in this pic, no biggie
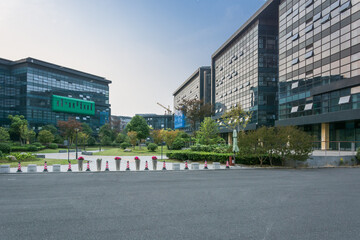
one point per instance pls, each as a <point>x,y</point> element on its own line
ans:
<point>178,144</point>
<point>91,141</point>
<point>53,146</point>
<point>24,156</point>
<point>152,147</point>
<point>124,145</point>
<point>37,144</point>
<point>1,154</point>
<point>114,144</point>
<point>212,148</point>
<point>5,148</point>
<point>31,148</point>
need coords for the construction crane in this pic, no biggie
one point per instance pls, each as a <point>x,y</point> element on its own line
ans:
<point>168,111</point>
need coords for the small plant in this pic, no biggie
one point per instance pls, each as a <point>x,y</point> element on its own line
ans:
<point>80,158</point>
<point>341,162</point>
<point>154,158</point>
<point>117,158</point>
<point>136,158</point>
<point>152,147</point>
<point>5,148</point>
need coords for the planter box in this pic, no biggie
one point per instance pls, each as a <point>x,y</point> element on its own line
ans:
<point>216,165</point>
<point>32,168</point>
<point>56,168</point>
<point>176,166</point>
<point>5,169</point>
<point>195,166</point>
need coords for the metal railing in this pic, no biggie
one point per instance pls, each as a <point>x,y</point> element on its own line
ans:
<point>336,147</point>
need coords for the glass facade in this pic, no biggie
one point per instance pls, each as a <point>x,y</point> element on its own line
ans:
<point>157,122</point>
<point>245,71</point>
<point>39,81</point>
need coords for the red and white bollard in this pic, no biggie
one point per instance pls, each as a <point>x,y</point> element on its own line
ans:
<point>19,167</point>
<point>164,166</point>
<point>146,165</point>
<point>127,166</point>
<point>69,168</point>
<point>186,166</point>
<point>88,167</point>
<point>45,167</point>
<point>205,165</point>
<point>227,164</point>
<point>107,166</point>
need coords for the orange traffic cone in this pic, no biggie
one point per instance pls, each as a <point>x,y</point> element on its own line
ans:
<point>69,168</point>
<point>146,165</point>
<point>186,166</point>
<point>107,166</point>
<point>164,166</point>
<point>205,165</point>
<point>19,167</point>
<point>88,167</point>
<point>127,166</point>
<point>45,167</point>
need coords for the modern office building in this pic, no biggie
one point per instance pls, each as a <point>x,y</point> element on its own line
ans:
<point>319,69</point>
<point>46,93</point>
<point>245,69</point>
<point>157,122</point>
<point>119,122</point>
<point>197,86</point>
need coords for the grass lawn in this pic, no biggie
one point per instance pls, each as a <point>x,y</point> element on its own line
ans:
<point>57,150</point>
<point>38,161</point>
<point>134,152</point>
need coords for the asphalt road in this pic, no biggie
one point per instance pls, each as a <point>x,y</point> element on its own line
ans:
<point>226,204</point>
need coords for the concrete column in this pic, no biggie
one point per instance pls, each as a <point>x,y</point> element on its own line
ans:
<point>325,136</point>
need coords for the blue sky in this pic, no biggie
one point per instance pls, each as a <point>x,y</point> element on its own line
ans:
<point>146,47</point>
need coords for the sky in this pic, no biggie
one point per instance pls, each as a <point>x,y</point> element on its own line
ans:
<point>147,48</point>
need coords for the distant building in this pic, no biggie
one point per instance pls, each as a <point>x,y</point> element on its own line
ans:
<point>197,86</point>
<point>157,122</point>
<point>45,93</point>
<point>119,122</point>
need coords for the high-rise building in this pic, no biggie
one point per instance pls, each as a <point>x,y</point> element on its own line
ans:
<point>45,93</point>
<point>245,69</point>
<point>319,69</point>
<point>197,86</point>
<point>157,122</point>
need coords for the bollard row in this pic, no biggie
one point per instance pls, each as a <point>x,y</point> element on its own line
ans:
<point>32,168</point>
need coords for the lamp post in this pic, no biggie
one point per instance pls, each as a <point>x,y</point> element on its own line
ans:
<point>76,142</point>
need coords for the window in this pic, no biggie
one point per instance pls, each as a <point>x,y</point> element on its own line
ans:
<point>296,36</point>
<point>317,17</point>
<point>308,106</point>
<point>309,54</point>
<point>345,6</point>
<point>309,28</point>
<point>325,18</point>
<point>345,99</point>
<point>288,35</point>
<point>294,109</point>
<point>334,5</point>
<point>308,3</point>
<point>295,61</point>
<point>294,85</point>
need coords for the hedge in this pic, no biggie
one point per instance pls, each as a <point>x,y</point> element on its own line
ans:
<point>221,157</point>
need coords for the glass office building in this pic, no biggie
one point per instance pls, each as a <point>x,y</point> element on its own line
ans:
<point>319,69</point>
<point>158,122</point>
<point>245,69</point>
<point>197,86</point>
<point>46,93</point>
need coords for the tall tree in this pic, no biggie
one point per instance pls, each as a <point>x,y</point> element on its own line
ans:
<point>195,111</point>
<point>208,132</point>
<point>51,128</point>
<point>45,137</point>
<point>158,135</point>
<point>170,137</point>
<point>86,129</point>
<point>68,129</point>
<point>18,128</point>
<point>139,125</point>
<point>132,137</point>
<point>107,133</point>
<point>236,118</point>
<point>4,135</point>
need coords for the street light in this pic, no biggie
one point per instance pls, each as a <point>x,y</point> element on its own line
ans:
<point>76,130</point>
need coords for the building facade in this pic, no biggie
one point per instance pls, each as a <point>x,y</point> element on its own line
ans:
<point>197,86</point>
<point>245,69</point>
<point>119,122</point>
<point>45,93</point>
<point>319,69</point>
<point>158,122</point>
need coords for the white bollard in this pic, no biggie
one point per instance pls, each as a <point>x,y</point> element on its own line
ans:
<point>56,168</point>
<point>195,166</point>
<point>176,166</point>
<point>5,169</point>
<point>32,168</point>
<point>216,165</point>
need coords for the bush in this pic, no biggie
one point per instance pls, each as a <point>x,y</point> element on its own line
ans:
<point>178,144</point>
<point>1,154</point>
<point>212,148</point>
<point>91,141</point>
<point>5,148</point>
<point>124,145</point>
<point>24,156</point>
<point>31,148</point>
<point>221,157</point>
<point>37,144</point>
<point>53,146</point>
<point>152,147</point>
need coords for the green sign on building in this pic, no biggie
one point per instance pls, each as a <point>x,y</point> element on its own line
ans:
<point>72,105</point>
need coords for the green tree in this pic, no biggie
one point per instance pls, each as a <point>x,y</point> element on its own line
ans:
<point>106,134</point>
<point>68,129</point>
<point>139,125</point>
<point>236,119</point>
<point>170,137</point>
<point>158,136</point>
<point>86,129</point>
<point>18,128</point>
<point>132,137</point>
<point>51,128</point>
<point>45,137</point>
<point>82,138</point>
<point>208,132</point>
<point>195,111</point>
<point>4,135</point>
<point>120,138</point>
<point>31,136</point>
